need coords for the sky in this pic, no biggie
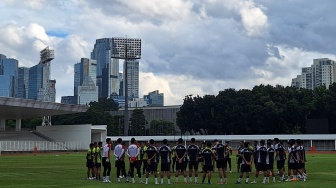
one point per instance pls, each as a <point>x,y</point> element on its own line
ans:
<point>193,47</point>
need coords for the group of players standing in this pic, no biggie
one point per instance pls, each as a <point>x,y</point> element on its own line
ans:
<point>181,157</point>
<point>264,156</point>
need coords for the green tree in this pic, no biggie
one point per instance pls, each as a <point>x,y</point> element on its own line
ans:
<point>137,123</point>
<point>161,127</point>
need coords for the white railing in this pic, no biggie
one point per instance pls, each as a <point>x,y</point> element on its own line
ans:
<point>26,146</point>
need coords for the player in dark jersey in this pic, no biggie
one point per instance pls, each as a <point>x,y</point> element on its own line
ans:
<point>193,152</point>
<point>151,153</point>
<point>228,155</point>
<point>220,153</point>
<point>261,164</point>
<point>291,161</point>
<point>239,158</point>
<point>280,156</point>
<point>200,158</point>
<point>208,157</point>
<point>255,153</point>
<point>247,157</point>
<point>270,161</point>
<point>165,153</point>
<point>300,160</point>
<point>180,153</point>
<point>173,158</point>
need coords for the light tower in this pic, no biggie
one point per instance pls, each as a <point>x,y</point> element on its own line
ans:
<point>127,49</point>
<point>46,55</point>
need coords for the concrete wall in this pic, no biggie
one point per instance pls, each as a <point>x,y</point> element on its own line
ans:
<point>98,133</point>
<point>78,133</point>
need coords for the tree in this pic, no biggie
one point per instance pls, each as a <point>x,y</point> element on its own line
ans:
<point>161,127</point>
<point>137,123</point>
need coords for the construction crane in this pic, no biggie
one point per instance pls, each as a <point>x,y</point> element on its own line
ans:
<point>46,56</point>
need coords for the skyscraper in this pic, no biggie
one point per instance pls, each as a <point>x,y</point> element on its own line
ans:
<point>23,80</point>
<point>321,72</point>
<point>132,78</point>
<point>154,98</point>
<point>35,81</point>
<point>85,89</point>
<point>107,68</point>
<point>8,76</point>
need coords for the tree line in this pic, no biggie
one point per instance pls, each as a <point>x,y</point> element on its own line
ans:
<point>264,109</point>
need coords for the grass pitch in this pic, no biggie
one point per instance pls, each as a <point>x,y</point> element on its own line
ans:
<point>68,170</point>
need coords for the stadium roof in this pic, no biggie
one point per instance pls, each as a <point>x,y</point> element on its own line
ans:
<point>16,108</point>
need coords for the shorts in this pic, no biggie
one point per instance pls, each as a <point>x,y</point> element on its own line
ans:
<point>291,166</point>
<point>221,163</point>
<point>299,165</point>
<point>208,168</point>
<point>98,165</point>
<point>245,168</point>
<point>89,164</point>
<point>239,160</point>
<point>201,160</point>
<point>152,167</point>
<point>180,166</point>
<point>193,165</point>
<point>165,167</point>
<point>280,163</point>
<point>261,167</point>
<point>269,166</point>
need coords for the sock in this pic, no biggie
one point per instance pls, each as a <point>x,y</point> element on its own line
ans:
<point>133,180</point>
<point>118,179</point>
<point>156,180</point>
<point>161,180</point>
<point>274,179</point>
<point>247,180</point>
<point>221,180</point>
<point>146,180</point>
<point>209,181</point>
<point>169,181</point>
<point>108,178</point>
<point>190,179</point>
<point>176,179</point>
<point>196,179</point>
<point>239,180</point>
<point>185,179</point>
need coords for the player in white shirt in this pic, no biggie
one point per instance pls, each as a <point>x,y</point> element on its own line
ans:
<point>133,152</point>
<point>106,161</point>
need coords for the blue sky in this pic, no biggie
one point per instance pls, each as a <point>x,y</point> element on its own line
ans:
<point>188,46</point>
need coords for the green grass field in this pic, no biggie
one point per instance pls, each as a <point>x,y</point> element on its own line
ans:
<point>68,170</point>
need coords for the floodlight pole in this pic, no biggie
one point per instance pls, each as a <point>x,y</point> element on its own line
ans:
<point>126,114</point>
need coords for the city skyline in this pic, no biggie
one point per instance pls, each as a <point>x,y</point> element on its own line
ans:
<point>189,47</point>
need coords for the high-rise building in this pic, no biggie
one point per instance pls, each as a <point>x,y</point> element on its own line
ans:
<point>8,76</point>
<point>155,98</point>
<point>35,81</point>
<point>107,67</point>
<point>132,78</point>
<point>322,72</point>
<point>85,89</point>
<point>23,81</point>
<point>68,100</point>
<point>121,85</point>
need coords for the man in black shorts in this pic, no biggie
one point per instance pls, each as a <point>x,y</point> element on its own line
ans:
<point>180,153</point>
<point>208,157</point>
<point>151,161</point>
<point>247,158</point>
<point>89,161</point>
<point>220,153</point>
<point>270,161</point>
<point>228,155</point>
<point>193,152</point>
<point>280,156</point>
<point>165,152</point>
<point>239,158</point>
<point>261,164</point>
